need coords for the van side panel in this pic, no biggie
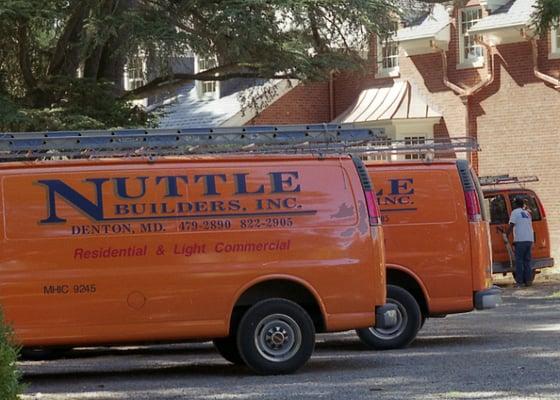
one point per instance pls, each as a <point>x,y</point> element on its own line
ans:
<point>159,251</point>
<point>426,230</point>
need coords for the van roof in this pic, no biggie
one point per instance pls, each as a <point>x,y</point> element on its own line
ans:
<point>412,163</point>
<point>169,159</point>
<point>488,191</point>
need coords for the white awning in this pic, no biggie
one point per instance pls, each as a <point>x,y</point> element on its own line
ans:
<point>397,102</point>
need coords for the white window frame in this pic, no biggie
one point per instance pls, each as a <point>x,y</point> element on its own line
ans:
<point>206,89</point>
<point>412,140</point>
<point>393,58</point>
<point>555,42</point>
<point>137,79</point>
<point>386,156</point>
<point>468,62</point>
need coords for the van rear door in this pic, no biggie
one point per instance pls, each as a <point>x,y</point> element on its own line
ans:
<point>500,210</point>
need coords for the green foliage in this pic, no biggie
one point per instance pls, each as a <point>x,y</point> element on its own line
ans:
<point>546,15</point>
<point>80,104</point>
<point>10,387</point>
<point>44,43</point>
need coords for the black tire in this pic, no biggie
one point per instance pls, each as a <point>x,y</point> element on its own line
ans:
<point>227,347</point>
<point>275,336</point>
<point>409,323</point>
<point>43,353</point>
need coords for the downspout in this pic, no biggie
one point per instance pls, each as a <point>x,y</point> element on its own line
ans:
<point>535,51</point>
<point>460,91</point>
<point>331,95</point>
<point>466,93</point>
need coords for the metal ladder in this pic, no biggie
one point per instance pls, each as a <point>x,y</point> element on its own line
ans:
<point>317,138</point>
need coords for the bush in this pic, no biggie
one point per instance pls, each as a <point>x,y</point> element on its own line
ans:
<point>9,374</point>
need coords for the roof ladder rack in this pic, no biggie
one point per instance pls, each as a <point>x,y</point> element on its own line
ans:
<point>317,138</point>
<point>506,179</point>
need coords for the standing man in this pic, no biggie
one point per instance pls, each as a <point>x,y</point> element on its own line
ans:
<point>521,223</point>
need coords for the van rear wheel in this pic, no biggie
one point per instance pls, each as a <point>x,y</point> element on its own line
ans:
<point>275,336</point>
<point>409,321</point>
<point>227,347</point>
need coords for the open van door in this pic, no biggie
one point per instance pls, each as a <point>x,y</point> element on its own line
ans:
<point>498,205</point>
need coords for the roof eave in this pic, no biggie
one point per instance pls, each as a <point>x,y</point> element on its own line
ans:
<point>424,44</point>
<point>503,34</point>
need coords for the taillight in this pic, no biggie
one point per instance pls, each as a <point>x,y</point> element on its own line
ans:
<point>371,201</point>
<point>473,206</point>
<point>373,208</point>
<point>472,190</point>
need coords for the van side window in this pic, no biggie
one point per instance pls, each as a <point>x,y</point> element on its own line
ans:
<point>498,210</point>
<point>531,203</point>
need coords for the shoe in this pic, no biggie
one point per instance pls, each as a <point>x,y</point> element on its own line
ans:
<point>529,284</point>
<point>517,285</point>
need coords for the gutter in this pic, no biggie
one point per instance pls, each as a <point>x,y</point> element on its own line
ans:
<point>331,95</point>
<point>535,51</point>
<point>466,93</point>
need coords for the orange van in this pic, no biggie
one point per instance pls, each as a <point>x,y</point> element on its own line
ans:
<point>437,245</point>
<point>500,200</point>
<point>257,252</point>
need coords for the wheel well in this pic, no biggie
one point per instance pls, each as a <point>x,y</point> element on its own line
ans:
<point>407,282</point>
<point>280,288</point>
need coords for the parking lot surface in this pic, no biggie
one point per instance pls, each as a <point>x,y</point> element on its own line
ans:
<point>512,352</point>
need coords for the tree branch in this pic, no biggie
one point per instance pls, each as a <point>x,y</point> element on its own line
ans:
<point>172,82</point>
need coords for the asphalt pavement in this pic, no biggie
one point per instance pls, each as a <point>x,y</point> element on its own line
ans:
<point>512,352</point>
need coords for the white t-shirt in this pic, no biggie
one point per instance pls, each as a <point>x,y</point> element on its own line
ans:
<point>523,225</point>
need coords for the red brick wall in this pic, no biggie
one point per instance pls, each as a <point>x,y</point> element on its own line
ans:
<point>516,119</point>
<point>518,126</point>
<point>304,104</point>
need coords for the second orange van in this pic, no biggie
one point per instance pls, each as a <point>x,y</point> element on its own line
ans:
<point>437,245</point>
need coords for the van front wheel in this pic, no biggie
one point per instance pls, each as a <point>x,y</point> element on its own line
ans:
<point>409,320</point>
<point>275,336</point>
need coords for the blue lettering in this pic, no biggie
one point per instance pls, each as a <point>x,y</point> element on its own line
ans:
<point>57,187</point>
<point>278,181</point>
<point>122,192</point>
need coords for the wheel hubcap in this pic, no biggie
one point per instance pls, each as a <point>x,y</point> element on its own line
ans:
<point>398,329</point>
<point>277,337</point>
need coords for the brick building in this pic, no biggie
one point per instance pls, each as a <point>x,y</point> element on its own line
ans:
<point>475,71</point>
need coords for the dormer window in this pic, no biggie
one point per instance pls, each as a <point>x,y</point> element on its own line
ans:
<point>206,89</point>
<point>388,54</point>
<point>135,72</point>
<point>555,42</point>
<point>471,54</point>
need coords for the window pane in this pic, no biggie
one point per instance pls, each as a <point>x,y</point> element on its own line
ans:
<point>411,141</point>
<point>498,210</point>
<point>383,156</point>
<point>389,50</point>
<point>469,17</point>
<point>530,203</point>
